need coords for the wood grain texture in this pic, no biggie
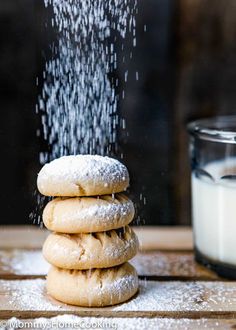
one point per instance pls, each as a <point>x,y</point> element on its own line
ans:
<point>27,299</point>
<point>178,293</point>
<point>159,265</point>
<point>151,238</point>
<point>166,265</point>
<point>30,237</point>
<point>165,238</point>
<point>127,323</point>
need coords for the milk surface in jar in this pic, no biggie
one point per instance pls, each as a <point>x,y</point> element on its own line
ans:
<point>214,210</point>
<point>212,150</point>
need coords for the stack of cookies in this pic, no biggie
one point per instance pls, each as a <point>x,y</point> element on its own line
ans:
<point>91,241</point>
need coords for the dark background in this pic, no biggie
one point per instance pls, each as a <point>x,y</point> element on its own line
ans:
<point>187,69</point>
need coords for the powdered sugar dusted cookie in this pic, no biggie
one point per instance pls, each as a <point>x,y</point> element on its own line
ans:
<point>82,175</point>
<point>95,287</point>
<point>88,214</point>
<point>95,250</point>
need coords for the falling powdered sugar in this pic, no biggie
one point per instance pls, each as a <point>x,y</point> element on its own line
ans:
<point>78,102</point>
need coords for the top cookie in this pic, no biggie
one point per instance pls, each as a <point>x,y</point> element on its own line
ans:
<point>82,175</point>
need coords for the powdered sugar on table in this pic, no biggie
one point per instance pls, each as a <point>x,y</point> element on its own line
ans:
<point>69,322</point>
<point>30,295</point>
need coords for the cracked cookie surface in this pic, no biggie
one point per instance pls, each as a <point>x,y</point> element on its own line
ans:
<point>88,214</point>
<point>95,250</point>
<point>93,288</point>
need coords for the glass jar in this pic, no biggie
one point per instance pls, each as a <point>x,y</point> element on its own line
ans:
<point>213,180</point>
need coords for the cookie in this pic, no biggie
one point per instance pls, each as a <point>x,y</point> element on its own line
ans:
<point>93,288</point>
<point>83,175</point>
<point>95,250</point>
<point>88,214</point>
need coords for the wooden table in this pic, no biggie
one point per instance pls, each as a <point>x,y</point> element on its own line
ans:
<point>175,292</point>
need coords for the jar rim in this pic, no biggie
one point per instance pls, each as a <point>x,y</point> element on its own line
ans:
<point>216,129</point>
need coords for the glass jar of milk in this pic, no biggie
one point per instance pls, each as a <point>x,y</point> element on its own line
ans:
<point>213,161</point>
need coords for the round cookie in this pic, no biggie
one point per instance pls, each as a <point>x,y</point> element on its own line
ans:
<point>95,250</point>
<point>88,214</point>
<point>82,175</point>
<point>93,288</point>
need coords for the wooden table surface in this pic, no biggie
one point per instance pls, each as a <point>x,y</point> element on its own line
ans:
<point>175,292</point>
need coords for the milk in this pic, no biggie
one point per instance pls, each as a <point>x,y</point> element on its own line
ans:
<point>214,212</point>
